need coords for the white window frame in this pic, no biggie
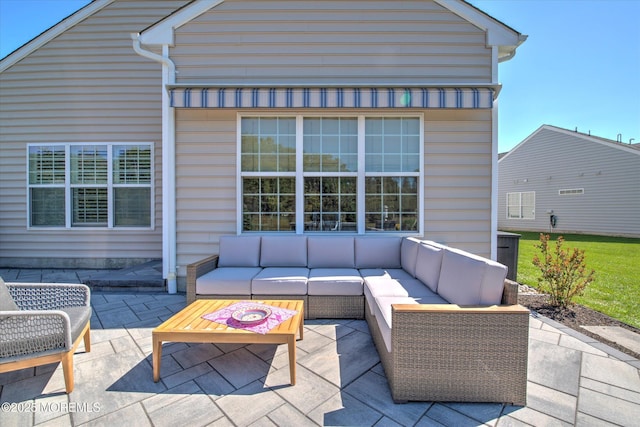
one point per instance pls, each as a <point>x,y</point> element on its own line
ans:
<point>68,187</point>
<point>361,174</point>
<point>520,206</point>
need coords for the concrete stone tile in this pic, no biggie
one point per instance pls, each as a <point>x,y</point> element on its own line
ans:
<point>517,416</point>
<point>98,350</point>
<point>101,335</point>
<point>97,299</point>
<point>447,416</point>
<point>427,422</point>
<point>263,422</point>
<point>9,274</point>
<point>113,381</point>
<point>255,396</point>
<point>62,421</point>
<point>358,325</point>
<point>49,407</point>
<point>611,390</point>
<point>550,337</point>
<point>214,384</point>
<point>109,306</point>
<point>195,354</point>
<point>313,341</point>
<point>266,352</point>
<point>610,371</point>
<point>535,323</point>
<point>551,402</point>
<point>344,410</point>
<point>373,390</point>
<point>240,367</point>
<point>128,415</point>
<point>15,418</point>
<point>576,344</point>
<point>194,410</point>
<point>154,314</point>
<point>222,422</point>
<point>330,328</point>
<point>168,365</point>
<point>185,375</point>
<point>555,367</point>
<point>288,415</point>
<point>309,392</point>
<point>126,343</point>
<point>387,422</point>
<point>168,397</point>
<point>117,318</point>
<point>22,374</point>
<point>325,362</point>
<point>26,389</point>
<point>486,413</point>
<point>584,420</point>
<point>616,411</point>
<point>229,348</point>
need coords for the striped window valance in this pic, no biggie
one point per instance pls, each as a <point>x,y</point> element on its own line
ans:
<point>331,97</point>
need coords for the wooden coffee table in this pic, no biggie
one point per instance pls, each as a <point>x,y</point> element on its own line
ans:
<point>189,326</point>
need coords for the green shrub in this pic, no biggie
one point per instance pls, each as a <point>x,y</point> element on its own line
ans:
<point>564,272</point>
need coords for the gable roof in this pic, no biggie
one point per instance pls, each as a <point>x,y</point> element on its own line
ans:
<point>498,34</point>
<point>53,32</point>
<point>629,148</point>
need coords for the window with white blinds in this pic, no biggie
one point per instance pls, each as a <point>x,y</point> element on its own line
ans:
<point>521,205</point>
<point>90,185</point>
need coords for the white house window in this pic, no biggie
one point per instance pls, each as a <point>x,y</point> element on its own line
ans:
<point>330,174</point>
<point>90,185</point>
<point>521,205</point>
<point>570,191</point>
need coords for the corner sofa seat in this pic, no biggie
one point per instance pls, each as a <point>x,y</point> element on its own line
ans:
<point>432,309</point>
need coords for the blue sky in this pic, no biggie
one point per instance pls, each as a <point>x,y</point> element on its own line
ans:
<point>580,67</point>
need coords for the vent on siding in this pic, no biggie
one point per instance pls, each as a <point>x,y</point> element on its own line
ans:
<point>570,191</point>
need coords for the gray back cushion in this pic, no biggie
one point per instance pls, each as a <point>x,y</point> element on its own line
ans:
<point>428,263</point>
<point>468,279</point>
<point>6,301</point>
<point>378,252</point>
<point>239,251</point>
<point>409,254</point>
<point>331,252</point>
<point>283,251</point>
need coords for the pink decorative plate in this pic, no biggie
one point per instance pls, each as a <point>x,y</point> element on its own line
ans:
<point>252,314</point>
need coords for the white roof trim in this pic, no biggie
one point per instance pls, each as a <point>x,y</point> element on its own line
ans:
<point>52,33</point>
<point>498,34</point>
<point>597,140</point>
<point>162,33</point>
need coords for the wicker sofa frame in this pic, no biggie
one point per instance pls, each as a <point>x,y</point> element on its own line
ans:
<point>441,352</point>
<point>40,332</point>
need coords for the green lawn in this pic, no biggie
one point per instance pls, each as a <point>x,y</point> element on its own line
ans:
<point>616,260</point>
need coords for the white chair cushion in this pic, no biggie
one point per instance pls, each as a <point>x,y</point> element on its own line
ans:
<point>383,314</point>
<point>283,251</point>
<point>378,252</point>
<point>374,272</point>
<point>239,251</point>
<point>227,281</point>
<point>334,281</point>
<point>421,292</point>
<point>281,281</point>
<point>330,252</point>
<point>429,262</point>
<point>468,279</point>
<point>409,254</point>
<point>376,286</point>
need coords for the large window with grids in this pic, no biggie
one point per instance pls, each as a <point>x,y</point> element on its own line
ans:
<point>324,174</point>
<point>90,185</point>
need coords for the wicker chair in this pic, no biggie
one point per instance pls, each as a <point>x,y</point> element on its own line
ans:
<point>42,324</point>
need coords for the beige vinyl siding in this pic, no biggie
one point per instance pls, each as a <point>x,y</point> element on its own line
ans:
<point>86,85</point>
<point>457,177</point>
<point>457,183</point>
<point>329,42</point>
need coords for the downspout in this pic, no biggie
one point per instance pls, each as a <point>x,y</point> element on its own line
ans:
<point>494,158</point>
<point>169,246</point>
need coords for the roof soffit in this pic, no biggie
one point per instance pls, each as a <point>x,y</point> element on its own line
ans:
<point>162,32</point>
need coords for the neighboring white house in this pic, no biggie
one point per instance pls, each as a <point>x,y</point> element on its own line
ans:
<point>135,130</point>
<point>570,182</point>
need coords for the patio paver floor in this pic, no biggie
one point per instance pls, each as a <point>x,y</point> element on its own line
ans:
<point>572,379</point>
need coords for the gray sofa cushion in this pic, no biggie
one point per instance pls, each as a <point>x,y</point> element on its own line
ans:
<point>227,281</point>
<point>239,251</point>
<point>6,300</point>
<point>376,286</point>
<point>421,292</point>
<point>378,252</point>
<point>429,261</point>
<point>382,311</point>
<point>409,254</point>
<point>283,251</point>
<point>468,279</point>
<point>281,281</point>
<point>334,281</point>
<point>330,252</point>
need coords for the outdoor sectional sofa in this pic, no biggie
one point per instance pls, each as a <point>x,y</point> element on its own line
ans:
<point>445,322</point>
